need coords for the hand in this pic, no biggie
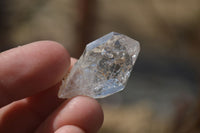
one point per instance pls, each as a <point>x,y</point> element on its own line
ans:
<point>29,82</point>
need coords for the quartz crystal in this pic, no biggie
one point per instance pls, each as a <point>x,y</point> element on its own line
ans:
<point>103,68</point>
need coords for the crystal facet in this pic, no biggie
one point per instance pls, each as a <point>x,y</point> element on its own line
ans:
<point>103,68</point>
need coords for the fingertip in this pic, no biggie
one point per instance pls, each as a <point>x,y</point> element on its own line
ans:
<point>53,51</point>
<point>32,68</point>
<point>69,129</point>
<point>81,111</point>
<point>59,56</point>
<point>73,61</point>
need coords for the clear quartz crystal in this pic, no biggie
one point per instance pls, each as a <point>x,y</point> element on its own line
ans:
<point>103,68</point>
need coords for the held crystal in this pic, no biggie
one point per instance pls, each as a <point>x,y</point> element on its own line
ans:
<point>103,69</point>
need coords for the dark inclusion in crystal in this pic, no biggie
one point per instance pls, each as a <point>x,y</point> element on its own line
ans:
<point>103,69</point>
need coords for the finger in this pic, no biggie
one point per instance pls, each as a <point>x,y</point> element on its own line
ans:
<point>31,68</point>
<point>80,111</point>
<point>69,129</point>
<point>73,61</point>
<point>27,114</point>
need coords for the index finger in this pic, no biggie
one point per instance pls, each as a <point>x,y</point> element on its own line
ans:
<point>31,68</point>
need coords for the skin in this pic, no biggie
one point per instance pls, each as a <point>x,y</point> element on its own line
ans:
<point>30,76</point>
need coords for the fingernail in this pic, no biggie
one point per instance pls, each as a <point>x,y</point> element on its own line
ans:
<point>69,129</point>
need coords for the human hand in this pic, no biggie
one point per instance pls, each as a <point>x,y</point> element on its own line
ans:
<point>29,82</point>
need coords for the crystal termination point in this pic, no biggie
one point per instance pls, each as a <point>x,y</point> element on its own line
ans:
<point>103,69</point>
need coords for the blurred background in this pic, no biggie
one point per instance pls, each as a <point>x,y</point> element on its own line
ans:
<point>162,95</point>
